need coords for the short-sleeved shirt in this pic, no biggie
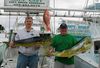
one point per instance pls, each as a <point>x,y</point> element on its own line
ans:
<point>23,34</point>
<point>63,42</point>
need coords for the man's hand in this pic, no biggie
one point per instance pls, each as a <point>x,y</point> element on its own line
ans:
<point>12,44</point>
<point>49,52</point>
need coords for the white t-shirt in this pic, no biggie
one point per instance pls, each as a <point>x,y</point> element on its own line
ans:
<point>23,34</point>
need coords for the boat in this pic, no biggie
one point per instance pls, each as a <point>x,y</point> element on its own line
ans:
<point>3,45</point>
<point>87,27</point>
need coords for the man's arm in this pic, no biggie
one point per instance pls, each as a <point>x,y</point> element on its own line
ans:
<point>12,43</point>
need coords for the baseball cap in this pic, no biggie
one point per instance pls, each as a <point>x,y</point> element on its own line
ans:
<point>63,25</point>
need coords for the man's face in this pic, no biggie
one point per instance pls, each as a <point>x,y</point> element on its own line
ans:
<point>28,23</point>
<point>63,31</point>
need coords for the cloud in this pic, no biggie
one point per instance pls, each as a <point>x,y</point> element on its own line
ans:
<point>5,21</point>
<point>1,2</point>
<point>68,4</point>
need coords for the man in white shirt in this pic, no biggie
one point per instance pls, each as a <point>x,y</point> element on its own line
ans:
<point>27,55</point>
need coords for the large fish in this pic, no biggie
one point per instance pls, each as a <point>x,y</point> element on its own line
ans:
<point>44,39</point>
<point>81,46</point>
<point>46,19</point>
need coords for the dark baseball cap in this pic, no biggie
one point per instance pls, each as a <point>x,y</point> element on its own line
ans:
<point>63,25</point>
